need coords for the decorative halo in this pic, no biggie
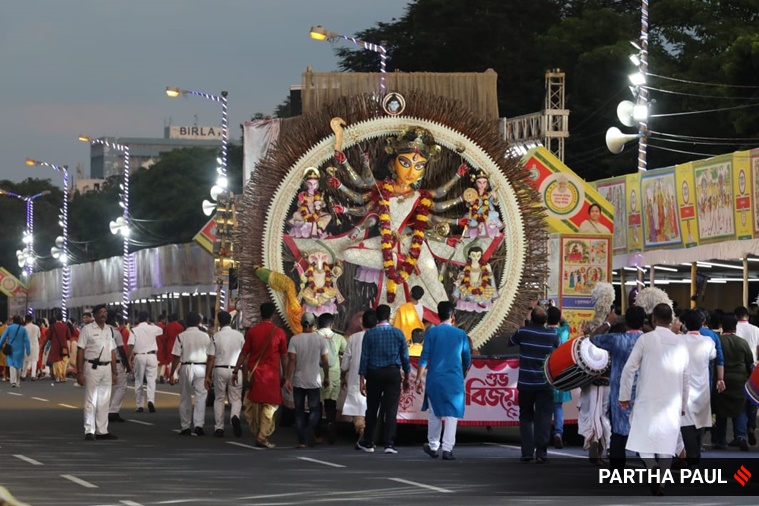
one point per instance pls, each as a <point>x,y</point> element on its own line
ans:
<point>394,104</point>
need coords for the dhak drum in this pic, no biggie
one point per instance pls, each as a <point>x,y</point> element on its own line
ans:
<point>752,387</point>
<point>575,364</point>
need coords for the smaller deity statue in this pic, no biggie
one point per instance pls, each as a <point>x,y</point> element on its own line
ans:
<point>318,284</point>
<point>311,218</point>
<point>483,219</point>
<point>474,289</point>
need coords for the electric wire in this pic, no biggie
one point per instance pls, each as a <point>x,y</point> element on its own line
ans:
<point>700,83</point>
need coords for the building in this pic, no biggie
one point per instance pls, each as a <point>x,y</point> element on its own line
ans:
<point>106,161</point>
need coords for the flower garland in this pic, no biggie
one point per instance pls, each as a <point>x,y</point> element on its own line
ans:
<point>481,217</point>
<point>312,282</point>
<point>484,278</point>
<point>418,225</point>
<point>308,216</point>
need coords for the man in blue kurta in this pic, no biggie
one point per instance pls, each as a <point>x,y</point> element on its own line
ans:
<point>445,359</point>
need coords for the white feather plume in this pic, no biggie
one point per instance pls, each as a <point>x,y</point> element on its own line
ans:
<point>603,298</point>
<point>649,297</point>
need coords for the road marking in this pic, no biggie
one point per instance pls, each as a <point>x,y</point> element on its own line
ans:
<point>552,452</point>
<point>27,459</point>
<point>78,481</point>
<point>243,445</point>
<point>162,392</point>
<point>179,501</point>
<point>139,421</point>
<point>68,406</point>
<point>40,399</point>
<point>129,503</point>
<point>422,485</point>
<point>323,462</point>
<point>14,393</point>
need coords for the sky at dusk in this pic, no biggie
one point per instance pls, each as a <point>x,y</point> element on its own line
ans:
<point>100,67</point>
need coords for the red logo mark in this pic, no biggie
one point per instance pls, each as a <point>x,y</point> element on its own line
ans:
<point>742,475</point>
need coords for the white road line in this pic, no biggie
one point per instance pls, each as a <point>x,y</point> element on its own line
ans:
<point>129,503</point>
<point>323,462</point>
<point>68,406</point>
<point>40,399</point>
<point>179,501</point>
<point>14,393</point>
<point>244,445</point>
<point>551,452</point>
<point>78,481</point>
<point>139,421</point>
<point>27,459</point>
<point>176,394</point>
<point>422,485</point>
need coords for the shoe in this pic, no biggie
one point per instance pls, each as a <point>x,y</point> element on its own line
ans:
<point>719,446</point>
<point>525,459</point>
<point>115,417</point>
<point>751,438</point>
<point>161,380</point>
<point>365,447</point>
<point>743,444</point>
<point>300,446</point>
<point>77,384</point>
<point>593,452</point>
<point>89,437</point>
<point>429,451</point>
<point>199,431</point>
<point>236,427</point>
<point>541,460</point>
<point>390,450</point>
<point>264,443</point>
<point>331,433</point>
<point>448,456</point>
<point>218,433</point>
<point>735,443</point>
<point>151,407</point>
<point>185,432</point>
<point>557,442</point>
<point>106,436</point>
<point>13,385</point>
<point>139,410</point>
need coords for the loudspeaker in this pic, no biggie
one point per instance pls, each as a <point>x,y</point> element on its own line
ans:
<point>616,140</point>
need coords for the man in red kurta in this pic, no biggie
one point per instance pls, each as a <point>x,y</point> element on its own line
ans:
<point>166,344</point>
<point>265,351</point>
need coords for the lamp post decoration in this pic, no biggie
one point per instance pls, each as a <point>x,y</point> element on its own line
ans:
<point>60,250</point>
<point>318,32</point>
<point>121,224</point>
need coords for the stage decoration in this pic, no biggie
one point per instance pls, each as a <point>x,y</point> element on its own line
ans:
<point>395,188</point>
<point>318,289</point>
<point>283,284</point>
<point>650,297</point>
<point>475,288</point>
<point>483,219</point>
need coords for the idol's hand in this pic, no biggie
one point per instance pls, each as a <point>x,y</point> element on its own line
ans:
<point>334,182</point>
<point>338,209</point>
<point>340,157</point>
<point>463,170</point>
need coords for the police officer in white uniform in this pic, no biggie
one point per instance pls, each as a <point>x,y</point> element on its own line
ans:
<point>96,370</point>
<point>189,365</point>
<point>223,352</point>
<point>143,345</point>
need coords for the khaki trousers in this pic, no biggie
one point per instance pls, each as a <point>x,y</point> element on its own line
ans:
<point>260,418</point>
<point>59,369</point>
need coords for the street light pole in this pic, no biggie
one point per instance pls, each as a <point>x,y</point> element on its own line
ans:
<point>61,248</point>
<point>121,225</point>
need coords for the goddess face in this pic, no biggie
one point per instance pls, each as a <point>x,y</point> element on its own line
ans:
<point>409,167</point>
<point>312,185</point>
<point>482,185</point>
<point>475,255</point>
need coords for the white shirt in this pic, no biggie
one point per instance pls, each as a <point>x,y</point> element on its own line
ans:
<point>750,333</point>
<point>142,337</point>
<point>355,403</point>
<point>701,349</point>
<point>226,346</point>
<point>97,343</point>
<point>34,334</point>
<point>192,346</point>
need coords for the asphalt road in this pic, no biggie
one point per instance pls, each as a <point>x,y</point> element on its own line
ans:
<point>45,461</point>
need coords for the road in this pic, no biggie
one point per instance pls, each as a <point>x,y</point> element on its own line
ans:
<point>47,462</point>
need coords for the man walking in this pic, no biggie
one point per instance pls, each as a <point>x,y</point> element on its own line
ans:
<point>750,333</point>
<point>384,353</point>
<point>222,356</point>
<point>96,370</point>
<point>166,344</point>
<point>355,401</point>
<point>58,356</point>
<point>265,351</point>
<point>336,346</point>
<point>143,347</point>
<point>123,366</point>
<point>15,336</point>
<point>189,365</point>
<point>444,363</point>
<point>661,359</point>
<point>306,352</point>
<point>535,343</point>
<point>30,363</point>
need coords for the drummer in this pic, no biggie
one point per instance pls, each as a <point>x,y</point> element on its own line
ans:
<point>619,347</point>
<point>535,343</point>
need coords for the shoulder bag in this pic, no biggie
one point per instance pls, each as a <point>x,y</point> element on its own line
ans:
<point>7,348</point>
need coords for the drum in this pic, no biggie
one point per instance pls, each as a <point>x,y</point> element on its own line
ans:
<point>752,387</point>
<point>575,364</point>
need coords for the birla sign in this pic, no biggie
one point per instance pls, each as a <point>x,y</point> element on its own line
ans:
<point>195,132</point>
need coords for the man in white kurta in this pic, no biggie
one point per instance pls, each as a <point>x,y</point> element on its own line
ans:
<point>661,359</point>
<point>698,411</point>
<point>30,362</point>
<point>355,402</point>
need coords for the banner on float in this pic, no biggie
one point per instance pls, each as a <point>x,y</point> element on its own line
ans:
<point>634,215</point>
<point>577,319</point>
<point>10,285</point>
<point>686,204</point>
<point>754,156</point>
<point>742,190</point>
<point>661,223</point>
<point>615,191</point>
<point>585,262</point>
<point>566,197</point>
<point>715,204</point>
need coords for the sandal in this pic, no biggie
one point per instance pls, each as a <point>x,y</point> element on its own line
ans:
<point>264,443</point>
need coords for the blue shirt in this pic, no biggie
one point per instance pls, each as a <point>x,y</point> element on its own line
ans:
<point>446,355</point>
<point>535,344</point>
<point>384,346</point>
<point>619,347</point>
<point>706,331</point>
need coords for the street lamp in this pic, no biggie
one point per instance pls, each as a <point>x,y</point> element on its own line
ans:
<point>318,32</point>
<point>60,250</point>
<point>223,205</point>
<point>121,224</point>
<point>27,257</point>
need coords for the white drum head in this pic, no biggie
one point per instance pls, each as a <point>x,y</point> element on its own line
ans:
<point>591,358</point>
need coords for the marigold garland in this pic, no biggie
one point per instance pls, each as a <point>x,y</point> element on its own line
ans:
<point>475,214</point>
<point>484,278</point>
<point>396,276</point>
<point>307,215</point>
<point>311,282</point>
